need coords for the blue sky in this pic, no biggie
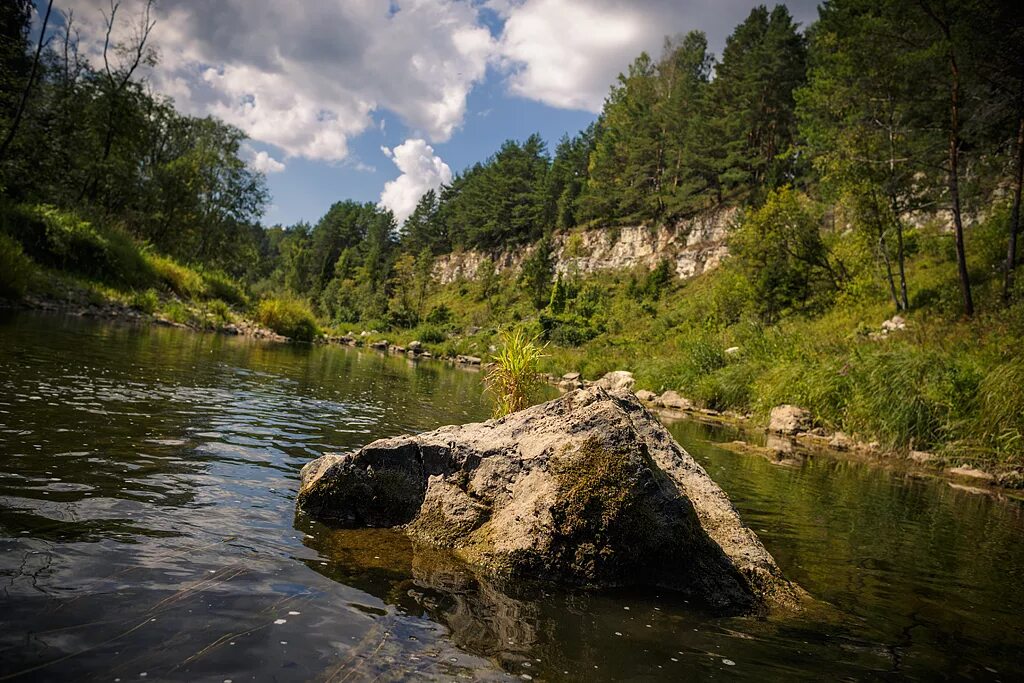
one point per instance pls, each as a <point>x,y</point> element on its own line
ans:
<point>380,100</point>
<point>305,189</point>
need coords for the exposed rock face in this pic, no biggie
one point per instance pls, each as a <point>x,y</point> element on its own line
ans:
<point>588,489</point>
<point>787,419</point>
<point>692,246</point>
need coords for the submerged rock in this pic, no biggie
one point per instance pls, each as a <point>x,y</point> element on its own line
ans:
<point>588,489</point>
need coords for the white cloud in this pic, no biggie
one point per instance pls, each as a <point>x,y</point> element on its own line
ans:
<point>306,77</point>
<point>421,170</point>
<point>261,161</point>
<point>567,53</point>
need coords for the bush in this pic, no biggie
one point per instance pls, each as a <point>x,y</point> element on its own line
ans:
<point>180,279</point>
<point>15,268</point>
<point>430,334</point>
<point>218,285</point>
<point>439,315</point>
<point>145,301</point>
<point>62,239</point>
<point>289,317</point>
<point>219,311</point>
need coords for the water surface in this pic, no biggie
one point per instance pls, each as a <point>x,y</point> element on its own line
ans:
<point>148,532</point>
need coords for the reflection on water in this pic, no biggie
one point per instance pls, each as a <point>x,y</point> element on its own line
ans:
<point>147,526</point>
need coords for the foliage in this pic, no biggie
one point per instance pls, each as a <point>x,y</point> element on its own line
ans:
<point>781,251</point>
<point>219,285</point>
<point>16,269</point>
<point>145,300</point>
<point>512,377</point>
<point>289,317</point>
<point>179,279</point>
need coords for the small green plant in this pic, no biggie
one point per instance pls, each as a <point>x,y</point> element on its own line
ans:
<point>290,317</point>
<point>145,301</point>
<point>512,377</point>
<point>219,311</point>
<point>15,269</point>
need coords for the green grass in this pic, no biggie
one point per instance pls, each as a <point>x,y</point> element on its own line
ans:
<point>945,384</point>
<point>103,263</point>
<point>289,317</point>
<point>512,378</point>
<point>16,269</point>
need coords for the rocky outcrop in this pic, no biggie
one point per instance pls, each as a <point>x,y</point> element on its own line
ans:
<point>692,246</point>
<point>588,489</point>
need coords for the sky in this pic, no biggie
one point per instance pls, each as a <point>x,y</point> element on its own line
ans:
<point>381,100</point>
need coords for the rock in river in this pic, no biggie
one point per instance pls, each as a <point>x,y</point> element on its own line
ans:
<point>588,489</point>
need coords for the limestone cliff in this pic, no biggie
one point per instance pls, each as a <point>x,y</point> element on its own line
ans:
<point>692,245</point>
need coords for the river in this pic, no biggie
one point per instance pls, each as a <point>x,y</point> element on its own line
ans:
<point>148,532</point>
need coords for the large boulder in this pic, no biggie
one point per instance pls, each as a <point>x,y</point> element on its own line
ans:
<point>588,489</point>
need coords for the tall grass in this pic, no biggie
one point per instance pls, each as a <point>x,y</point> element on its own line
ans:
<point>289,317</point>
<point>15,269</point>
<point>180,279</point>
<point>513,377</point>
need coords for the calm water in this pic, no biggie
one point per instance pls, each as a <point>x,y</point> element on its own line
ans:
<point>148,532</point>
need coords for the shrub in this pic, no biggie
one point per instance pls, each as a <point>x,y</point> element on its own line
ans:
<point>145,301</point>
<point>218,285</point>
<point>219,311</point>
<point>15,269</point>
<point>64,240</point>
<point>430,334</point>
<point>513,378</point>
<point>180,279</point>
<point>439,315</point>
<point>289,317</point>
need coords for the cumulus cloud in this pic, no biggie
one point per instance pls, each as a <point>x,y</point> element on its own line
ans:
<point>567,53</point>
<point>307,76</point>
<point>421,170</point>
<point>261,161</point>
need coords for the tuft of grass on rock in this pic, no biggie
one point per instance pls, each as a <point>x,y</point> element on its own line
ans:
<point>513,376</point>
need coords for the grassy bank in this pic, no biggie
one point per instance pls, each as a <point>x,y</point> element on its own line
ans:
<point>944,383</point>
<point>62,257</point>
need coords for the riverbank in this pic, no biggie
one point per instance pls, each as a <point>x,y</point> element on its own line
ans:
<point>791,434</point>
<point>757,439</point>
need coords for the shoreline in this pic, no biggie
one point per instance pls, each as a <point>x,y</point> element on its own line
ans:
<point>782,449</point>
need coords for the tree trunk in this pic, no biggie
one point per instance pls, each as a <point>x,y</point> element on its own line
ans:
<point>28,86</point>
<point>1011,250</point>
<point>954,184</point>
<point>903,303</point>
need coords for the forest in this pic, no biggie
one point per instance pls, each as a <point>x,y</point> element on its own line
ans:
<point>876,159</point>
